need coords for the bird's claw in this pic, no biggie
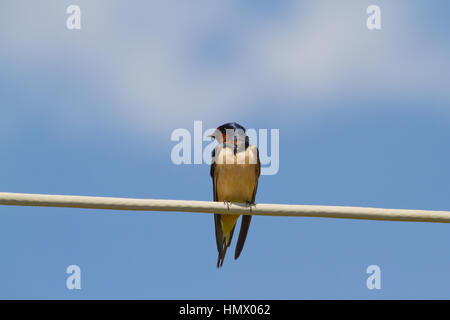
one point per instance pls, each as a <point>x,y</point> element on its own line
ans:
<point>227,203</point>
<point>250,205</point>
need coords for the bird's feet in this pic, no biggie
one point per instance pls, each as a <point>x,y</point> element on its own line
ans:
<point>227,203</point>
<point>250,205</point>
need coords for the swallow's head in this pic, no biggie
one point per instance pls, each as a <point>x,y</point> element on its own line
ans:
<point>231,133</point>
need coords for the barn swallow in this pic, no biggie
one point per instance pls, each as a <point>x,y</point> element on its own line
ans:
<point>235,171</point>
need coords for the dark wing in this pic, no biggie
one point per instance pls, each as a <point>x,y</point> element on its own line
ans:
<point>212,170</point>
<point>246,219</point>
<point>217,220</point>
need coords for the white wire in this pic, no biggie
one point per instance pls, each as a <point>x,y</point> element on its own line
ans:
<point>40,200</point>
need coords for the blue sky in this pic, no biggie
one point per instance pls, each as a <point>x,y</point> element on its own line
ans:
<point>364,120</point>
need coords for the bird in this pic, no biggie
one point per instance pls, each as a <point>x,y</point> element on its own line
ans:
<point>235,171</point>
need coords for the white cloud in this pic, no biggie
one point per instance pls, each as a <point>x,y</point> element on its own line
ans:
<point>144,55</point>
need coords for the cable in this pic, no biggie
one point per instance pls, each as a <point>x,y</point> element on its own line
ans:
<point>40,200</point>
